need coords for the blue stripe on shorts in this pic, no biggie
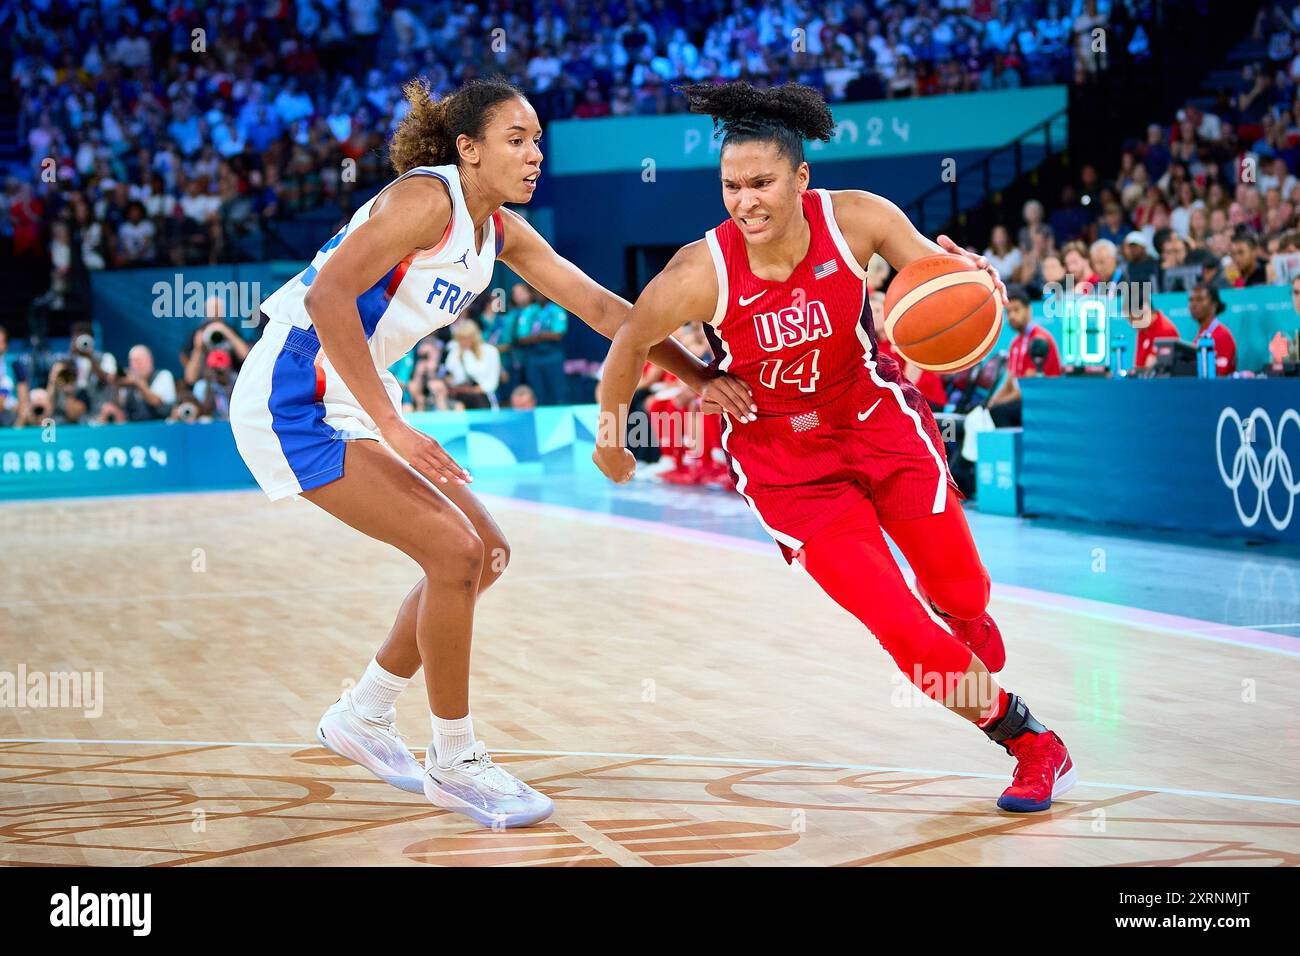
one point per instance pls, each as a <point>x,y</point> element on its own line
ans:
<point>313,449</point>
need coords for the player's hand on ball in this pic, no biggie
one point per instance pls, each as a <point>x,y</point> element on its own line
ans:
<point>723,393</point>
<point>949,246</point>
<point>616,464</point>
<point>425,455</point>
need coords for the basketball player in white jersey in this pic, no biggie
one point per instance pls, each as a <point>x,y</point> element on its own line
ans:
<point>316,413</point>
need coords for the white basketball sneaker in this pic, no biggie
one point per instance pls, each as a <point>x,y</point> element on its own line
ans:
<point>373,743</point>
<point>475,786</point>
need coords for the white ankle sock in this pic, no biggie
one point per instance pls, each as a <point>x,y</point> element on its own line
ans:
<point>376,692</point>
<point>450,737</point>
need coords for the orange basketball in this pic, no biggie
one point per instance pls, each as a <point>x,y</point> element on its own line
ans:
<point>943,313</point>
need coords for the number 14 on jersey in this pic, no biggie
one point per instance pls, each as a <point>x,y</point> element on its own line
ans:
<point>801,372</point>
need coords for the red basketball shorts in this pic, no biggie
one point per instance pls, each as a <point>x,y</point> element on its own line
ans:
<point>798,472</point>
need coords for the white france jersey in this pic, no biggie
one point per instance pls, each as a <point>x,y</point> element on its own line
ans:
<point>421,294</point>
<point>291,413</point>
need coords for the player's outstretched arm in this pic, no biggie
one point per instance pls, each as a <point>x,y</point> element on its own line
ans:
<point>561,281</point>
<point>685,291</point>
<point>872,224</point>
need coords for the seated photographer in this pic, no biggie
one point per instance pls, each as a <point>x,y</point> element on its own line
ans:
<point>212,390</point>
<point>143,394</point>
<point>214,335</point>
<point>94,373</point>
<point>1033,353</point>
<point>58,402</point>
<point>186,408</point>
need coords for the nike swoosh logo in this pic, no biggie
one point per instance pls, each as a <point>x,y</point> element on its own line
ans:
<point>862,416</point>
<point>745,302</point>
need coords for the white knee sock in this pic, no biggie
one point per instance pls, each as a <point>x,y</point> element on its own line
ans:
<point>450,737</point>
<point>376,692</point>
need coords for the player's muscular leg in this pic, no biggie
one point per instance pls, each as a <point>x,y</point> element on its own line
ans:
<point>384,498</point>
<point>852,563</point>
<point>400,653</point>
<point>942,554</point>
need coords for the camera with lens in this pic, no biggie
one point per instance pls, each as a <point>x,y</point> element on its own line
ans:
<point>187,411</point>
<point>84,343</point>
<point>214,338</point>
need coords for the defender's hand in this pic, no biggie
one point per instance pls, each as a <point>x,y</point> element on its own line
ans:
<point>616,464</point>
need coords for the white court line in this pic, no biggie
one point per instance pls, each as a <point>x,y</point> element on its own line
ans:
<point>739,761</point>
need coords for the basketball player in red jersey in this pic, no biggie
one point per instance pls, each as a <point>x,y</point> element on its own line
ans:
<point>842,448</point>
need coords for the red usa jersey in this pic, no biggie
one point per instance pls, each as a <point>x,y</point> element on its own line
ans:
<point>801,343</point>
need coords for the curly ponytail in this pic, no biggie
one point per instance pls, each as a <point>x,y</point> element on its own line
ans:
<point>427,134</point>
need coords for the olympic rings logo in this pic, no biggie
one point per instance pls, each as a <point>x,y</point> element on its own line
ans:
<point>1246,463</point>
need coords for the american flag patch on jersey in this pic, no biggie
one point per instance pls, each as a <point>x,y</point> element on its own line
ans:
<point>805,421</point>
<point>825,269</point>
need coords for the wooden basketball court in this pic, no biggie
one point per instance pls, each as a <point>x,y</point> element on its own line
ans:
<point>684,698</point>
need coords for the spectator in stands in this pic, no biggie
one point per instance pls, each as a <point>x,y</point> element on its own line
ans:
<point>1033,353</point>
<point>1139,265</point>
<point>440,398</point>
<point>1211,268</point>
<point>1113,227</point>
<point>1205,306</point>
<point>135,238</point>
<point>473,366</point>
<point>1004,256</point>
<point>540,330</point>
<point>1250,268</point>
<point>1104,260</point>
<point>1173,265</point>
<point>1049,278</point>
<point>1034,226</point>
<point>522,399</point>
<point>426,369</point>
<point>1149,324</point>
<point>15,385</point>
<point>1079,268</point>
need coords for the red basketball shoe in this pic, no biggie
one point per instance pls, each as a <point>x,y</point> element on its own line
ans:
<point>1044,771</point>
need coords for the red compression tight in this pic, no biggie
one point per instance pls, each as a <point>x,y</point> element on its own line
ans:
<point>851,562</point>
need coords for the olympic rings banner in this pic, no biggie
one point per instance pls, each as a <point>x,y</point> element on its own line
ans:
<point>1219,456</point>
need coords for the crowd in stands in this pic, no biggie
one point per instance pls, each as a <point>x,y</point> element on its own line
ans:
<point>1208,195</point>
<point>166,131</point>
